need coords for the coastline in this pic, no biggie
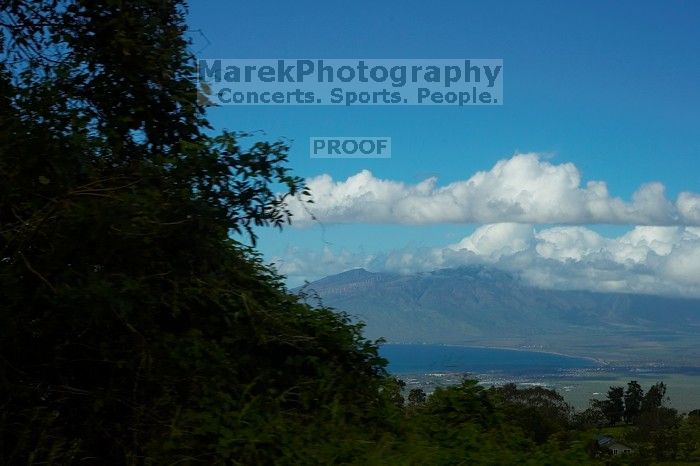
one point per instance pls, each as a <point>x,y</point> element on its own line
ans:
<point>577,384</point>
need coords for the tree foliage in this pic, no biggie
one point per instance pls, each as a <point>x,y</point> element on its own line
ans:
<point>539,411</point>
<point>133,328</point>
<point>633,401</point>
<point>614,407</point>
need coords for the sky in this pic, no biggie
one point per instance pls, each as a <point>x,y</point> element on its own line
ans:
<point>587,177</point>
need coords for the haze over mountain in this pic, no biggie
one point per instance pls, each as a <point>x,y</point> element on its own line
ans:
<point>484,306</point>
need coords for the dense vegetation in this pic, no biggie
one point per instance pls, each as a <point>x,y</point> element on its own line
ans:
<point>135,330</point>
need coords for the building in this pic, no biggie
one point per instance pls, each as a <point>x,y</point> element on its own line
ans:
<point>616,448</point>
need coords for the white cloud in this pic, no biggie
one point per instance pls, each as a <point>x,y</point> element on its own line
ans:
<point>689,207</point>
<point>649,260</point>
<point>523,189</point>
<point>497,240</point>
<point>568,243</point>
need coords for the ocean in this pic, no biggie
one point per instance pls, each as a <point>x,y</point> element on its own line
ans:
<point>577,379</point>
<point>467,359</point>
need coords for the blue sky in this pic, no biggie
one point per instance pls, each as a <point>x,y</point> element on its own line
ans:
<point>610,87</point>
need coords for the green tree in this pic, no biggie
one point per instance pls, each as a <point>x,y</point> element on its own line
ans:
<point>654,397</point>
<point>416,397</point>
<point>538,411</point>
<point>689,438</point>
<point>466,402</point>
<point>133,327</point>
<point>590,417</point>
<point>614,406</point>
<point>393,391</point>
<point>467,424</point>
<point>633,401</point>
<point>657,433</point>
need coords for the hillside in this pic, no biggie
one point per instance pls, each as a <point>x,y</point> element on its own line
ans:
<point>479,305</point>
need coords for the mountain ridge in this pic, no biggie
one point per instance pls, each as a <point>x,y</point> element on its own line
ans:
<point>480,305</point>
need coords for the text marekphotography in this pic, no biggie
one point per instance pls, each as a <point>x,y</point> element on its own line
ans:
<point>346,82</point>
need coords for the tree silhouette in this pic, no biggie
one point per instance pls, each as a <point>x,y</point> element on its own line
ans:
<point>633,401</point>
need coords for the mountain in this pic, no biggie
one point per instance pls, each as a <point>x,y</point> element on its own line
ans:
<point>483,306</point>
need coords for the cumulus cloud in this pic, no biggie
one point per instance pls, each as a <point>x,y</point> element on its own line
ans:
<point>523,189</point>
<point>497,240</point>
<point>647,259</point>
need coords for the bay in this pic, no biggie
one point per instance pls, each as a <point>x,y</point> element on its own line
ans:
<point>406,358</point>
<point>578,379</point>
